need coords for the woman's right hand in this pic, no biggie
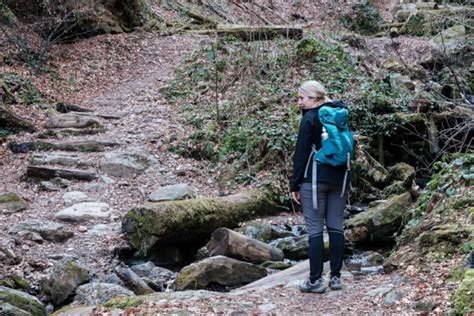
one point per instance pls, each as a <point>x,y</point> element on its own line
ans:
<point>296,197</point>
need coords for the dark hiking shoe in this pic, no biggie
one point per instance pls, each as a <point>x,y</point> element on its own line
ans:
<point>335,283</point>
<point>316,287</point>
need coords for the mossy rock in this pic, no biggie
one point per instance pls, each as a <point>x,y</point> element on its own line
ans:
<point>462,299</point>
<point>219,270</point>
<point>23,301</point>
<point>16,282</point>
<point>65,278</point>
<point>124,303</point>
<point>194,220</point>
<point>395,188</point>
<point>263,232</point>
<point>379,222</point>
<point>393,65</point>
<point>444,239</point>
<point>12,202</point>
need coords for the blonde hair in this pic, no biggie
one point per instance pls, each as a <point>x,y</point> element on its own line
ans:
<point>314,89</point>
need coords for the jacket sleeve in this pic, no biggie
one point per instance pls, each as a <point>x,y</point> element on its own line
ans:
<point>302,152</point>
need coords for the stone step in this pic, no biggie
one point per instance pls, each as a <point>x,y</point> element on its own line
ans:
<point>77,110</point>
<point>103,116</point>
<point>80,146</point>
<point>47,173</point>
<point>58,158</point>
<point>60,133</point>
<point>72,120</point>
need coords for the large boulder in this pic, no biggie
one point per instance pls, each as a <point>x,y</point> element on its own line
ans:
<point>99,293</point>
<point>12,202</point>
<point>67,275</point>
<point>219,270</point>
<point>13,302</point>
<point>379,223</point>
<point>184,222</point>
<point>126,164</point>
<point>48,230</point>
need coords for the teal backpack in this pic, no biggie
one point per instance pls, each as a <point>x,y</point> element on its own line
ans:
<point>337,145</point>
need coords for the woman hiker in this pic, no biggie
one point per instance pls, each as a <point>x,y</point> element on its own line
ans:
<point>331,196</point>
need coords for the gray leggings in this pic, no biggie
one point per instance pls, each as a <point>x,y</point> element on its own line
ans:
<point>330,208</point>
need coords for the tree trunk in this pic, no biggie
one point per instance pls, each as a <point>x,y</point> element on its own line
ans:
<point>192,221</point>
<point>12,120</point>
<point>51,173</point>
<point>232,244</point>
<point>255,33</point>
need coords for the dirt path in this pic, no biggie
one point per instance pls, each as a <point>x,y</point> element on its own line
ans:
<point>147,122</point>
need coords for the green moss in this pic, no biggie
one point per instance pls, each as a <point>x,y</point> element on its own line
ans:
<point>462,299</point>
<point>364,19</point>
<point>12,202</point>
<point>28,94</point>
<point>277,265</point>
<point>65,279</point>
<point>124,303</point>
<point>456,274</point>
<point>22,301</point>
<point>194,218</point>
<point>416,25</point>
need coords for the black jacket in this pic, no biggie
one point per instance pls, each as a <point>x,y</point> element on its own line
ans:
<point>309,134</point>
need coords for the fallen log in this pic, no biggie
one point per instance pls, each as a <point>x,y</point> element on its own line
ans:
<point>232,244</point>
<point>260,33</point>
<point>47,173</point>
<point>254,33</point>
<point>10,119</point>
<point>191,221</point>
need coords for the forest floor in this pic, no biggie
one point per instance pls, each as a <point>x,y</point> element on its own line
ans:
<point>123,75</point>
